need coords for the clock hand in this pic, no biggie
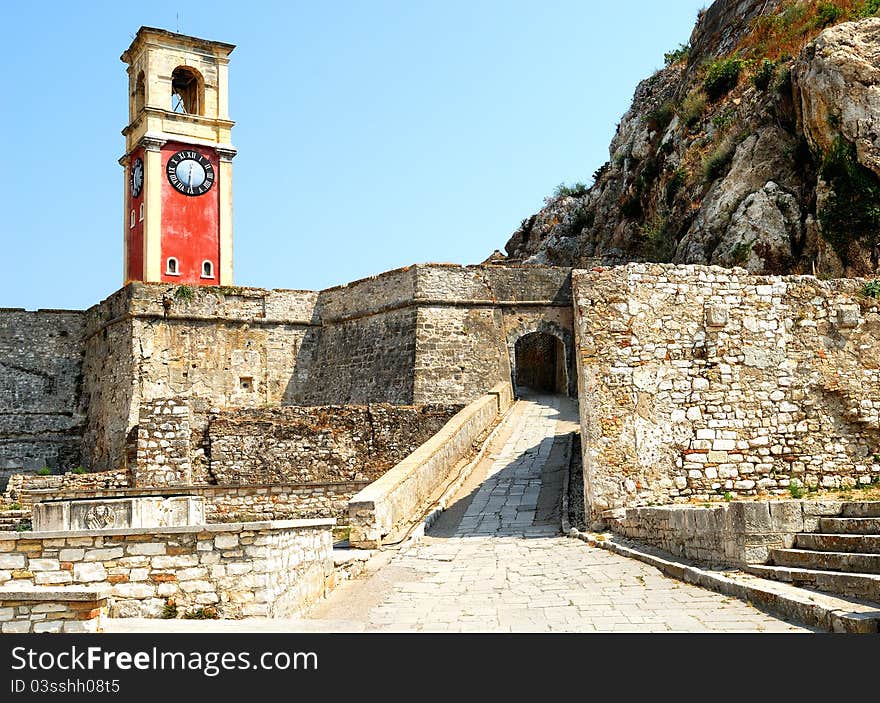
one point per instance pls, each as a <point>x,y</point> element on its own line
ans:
<point>190,175</point>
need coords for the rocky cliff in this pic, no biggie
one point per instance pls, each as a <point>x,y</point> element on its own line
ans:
<point>758,145</point>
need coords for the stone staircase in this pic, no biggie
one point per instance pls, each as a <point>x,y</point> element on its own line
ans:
<point>842,556</point>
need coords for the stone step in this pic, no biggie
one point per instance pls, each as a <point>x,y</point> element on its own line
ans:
<point>861,509</point>
<point>826,561</point>
<point>850,525</point>
<point>852,585</point>
<point>861,544</point>
<point>834,613</point>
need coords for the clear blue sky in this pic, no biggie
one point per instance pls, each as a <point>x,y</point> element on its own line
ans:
<point>371,135</point>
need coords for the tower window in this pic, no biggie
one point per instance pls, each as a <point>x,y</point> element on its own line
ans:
<point>207,269</point>
<point>140,94</point>
<point>187,91</point>
<point>172,268</point>
<point>141,213</point>
<point>131,223</point>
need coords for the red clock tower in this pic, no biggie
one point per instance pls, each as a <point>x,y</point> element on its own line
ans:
<point>178,160</point>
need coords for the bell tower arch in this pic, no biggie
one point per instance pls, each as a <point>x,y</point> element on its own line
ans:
<point>178,160</point>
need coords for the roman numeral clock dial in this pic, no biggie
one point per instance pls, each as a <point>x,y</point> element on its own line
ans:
<point>190,173</point>
<point>137,177</point>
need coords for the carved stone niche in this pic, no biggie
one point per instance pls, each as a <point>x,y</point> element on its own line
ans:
<point>717,315</point>
<point>848,316</point>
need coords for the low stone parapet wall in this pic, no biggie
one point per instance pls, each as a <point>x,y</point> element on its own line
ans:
<point>281,502</point>
<point>732,534</point>
<point>397,497</point>
<point>63,609</point>
<point>269,569</point>
<point>22,485</point>
<point>242,503</point>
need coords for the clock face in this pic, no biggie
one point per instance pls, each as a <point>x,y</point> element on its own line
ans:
<point>190,173</point>
<point>137,177</point>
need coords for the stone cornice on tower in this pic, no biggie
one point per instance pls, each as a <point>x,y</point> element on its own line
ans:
<point>163,37</point>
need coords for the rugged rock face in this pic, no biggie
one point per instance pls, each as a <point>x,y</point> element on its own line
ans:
<point>757,146</point>
<point>838,77</point>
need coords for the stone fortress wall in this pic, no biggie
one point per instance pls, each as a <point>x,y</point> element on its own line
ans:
<point>694,381</point>
<point>698,381</point>
<point>424,334</point>
<point>41,419</point>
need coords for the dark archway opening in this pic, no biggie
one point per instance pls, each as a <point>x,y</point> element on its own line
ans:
<point>539,360</point>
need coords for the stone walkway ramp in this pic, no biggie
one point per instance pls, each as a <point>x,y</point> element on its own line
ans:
<point>495,561</point>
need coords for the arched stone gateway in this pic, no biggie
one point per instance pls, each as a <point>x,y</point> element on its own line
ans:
<point>540,363</point>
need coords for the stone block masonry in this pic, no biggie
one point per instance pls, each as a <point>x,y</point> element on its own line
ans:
<point>251,503</point>
<point>698,381</point>
<point>266,569</point>
<point>63,609</point>
<point>732,534</point>
<point>22,487</point>
<point>424,334</point>
<point>164,453</point>
<point>41,418</point>
<point>317,444</point>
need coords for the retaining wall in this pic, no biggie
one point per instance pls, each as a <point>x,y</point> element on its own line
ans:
<point>732,534</point>
<point>268,569</point>
<point>697,381</point>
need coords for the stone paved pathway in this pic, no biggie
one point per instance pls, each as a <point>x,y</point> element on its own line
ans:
<point>496,562</point>
<point>501,564</point>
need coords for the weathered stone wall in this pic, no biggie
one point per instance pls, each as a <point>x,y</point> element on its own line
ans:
<point>256,502</point>
<point>363,360</point>
<point>470,317</point>
<point>320,444</point>
<point>164,449</point>
<point>428,333</point>
<point>279,502</point>
<point>699,381</point>
<point>268,569</point>
<point>110,382</point>
<point>22,488</point>
<point>40,383</point>
<point>217,347</point>
<point>62,609</point>
<point>366,347</point>
<point>731,534</point>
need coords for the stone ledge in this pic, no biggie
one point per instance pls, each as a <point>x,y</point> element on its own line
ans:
<point>194,529</point>
<point>55,593</point>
